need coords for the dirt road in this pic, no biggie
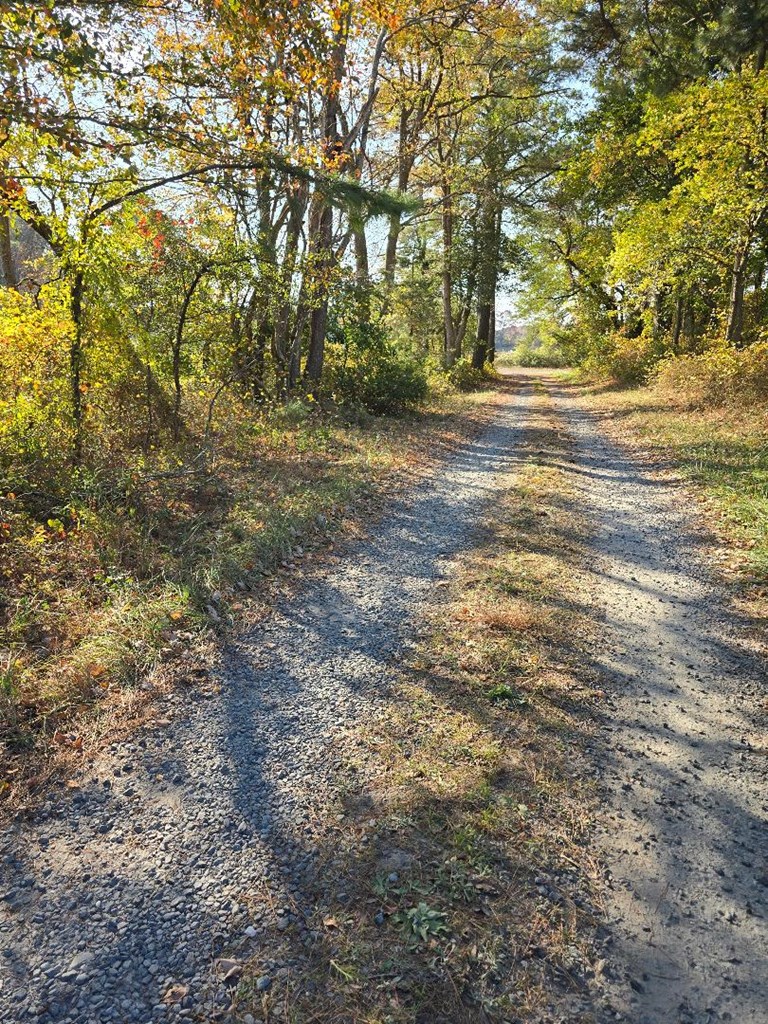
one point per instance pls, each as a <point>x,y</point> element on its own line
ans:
<point>119,898</point>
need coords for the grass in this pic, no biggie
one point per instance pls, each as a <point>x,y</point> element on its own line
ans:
<point>116,577</point>
<point>461,848</point>
<point>723,452</point>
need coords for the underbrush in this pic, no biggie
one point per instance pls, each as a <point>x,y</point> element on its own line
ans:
<point>629,360</point>
<point>110,569</point>
<point>381,383</point>
<point>457,886</point>
<point>465,377</point>
<point>717,378</point>
<point>543,356</point>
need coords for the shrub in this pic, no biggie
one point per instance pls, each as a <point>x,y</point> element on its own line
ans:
<point>628,360</point>
<point>34,399</point>
<point>543,355</point>
<point>717,377</point>
<point>465,377</point>
<point>295,412</point>
<point>383,382</point>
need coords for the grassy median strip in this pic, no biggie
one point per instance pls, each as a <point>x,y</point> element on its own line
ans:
<point>458,885</point>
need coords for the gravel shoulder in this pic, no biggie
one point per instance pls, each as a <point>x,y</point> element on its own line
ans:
<point>684,839</point>
<point>192,842</point>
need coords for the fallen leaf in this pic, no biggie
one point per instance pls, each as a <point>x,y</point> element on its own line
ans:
<point>175,994</point>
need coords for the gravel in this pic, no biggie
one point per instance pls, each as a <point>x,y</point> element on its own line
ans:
<point>197,840</point>
<point>684,839</point>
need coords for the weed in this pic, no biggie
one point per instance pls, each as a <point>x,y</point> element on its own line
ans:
<point>424,922</point>
<point>501,691</point>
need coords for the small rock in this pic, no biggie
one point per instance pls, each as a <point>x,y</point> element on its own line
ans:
<point>226,967</point>
<point>263,984</point>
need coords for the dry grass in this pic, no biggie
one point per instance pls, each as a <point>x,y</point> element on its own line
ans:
<point>469,891</point>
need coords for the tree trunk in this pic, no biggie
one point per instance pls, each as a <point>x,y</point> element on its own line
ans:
<point>390,260</point>
<point>294,368</point>
<point>735,329</point>
<point>488,256</point>
<point>495,285</point>
<point>318,321</point>
<point>150,418</point>
<point>449,329</point>
<point>178,341</point>
<point>362,268</point>
<point>492,334</point>
<point>404,167</point>
<point>483,339</point>
<point>7,263</point>
<point>678,324</point>
<point>259,342</point>
<point>286,352</point>
<point>76,363</point>
<point>321,239</point>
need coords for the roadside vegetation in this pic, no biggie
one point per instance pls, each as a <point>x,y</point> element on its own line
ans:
<point>467,888</point>
<point>202,358</point>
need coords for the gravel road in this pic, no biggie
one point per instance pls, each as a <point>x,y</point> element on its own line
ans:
<point>685,838</point>
<point>193,841</point>
<point>185,851</point>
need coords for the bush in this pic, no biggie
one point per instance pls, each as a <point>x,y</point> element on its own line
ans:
<point>717,377</point>
<point>35,425</point>
<point>465,377</point>
<point>544,355</point>
<point>384,383</point>
<point>628,360</point>
<point>294,413</point>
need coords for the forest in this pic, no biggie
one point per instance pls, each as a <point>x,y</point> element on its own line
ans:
<point>238,235</point>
